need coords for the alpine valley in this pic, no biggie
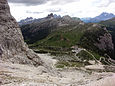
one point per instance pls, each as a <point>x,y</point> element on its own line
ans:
<point>55,50</point>
<point>68,35</point>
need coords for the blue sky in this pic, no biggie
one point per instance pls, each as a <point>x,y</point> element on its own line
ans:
<point>21,9</point>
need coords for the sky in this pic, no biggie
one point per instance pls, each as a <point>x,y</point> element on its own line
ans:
<point>22,9</point>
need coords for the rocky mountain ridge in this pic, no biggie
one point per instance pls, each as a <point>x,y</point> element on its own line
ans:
<point>30,20</point>
<point>102,17</point>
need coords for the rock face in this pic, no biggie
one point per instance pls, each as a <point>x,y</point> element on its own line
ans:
<point>105,42</point>
<point>12,46</point>
<point>110,24</point>
<point>99,40</point>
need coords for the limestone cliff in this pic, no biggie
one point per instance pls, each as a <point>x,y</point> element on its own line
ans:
<point>12,46</point>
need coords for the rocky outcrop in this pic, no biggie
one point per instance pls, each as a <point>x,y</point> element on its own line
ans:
<point>110,24</point>
<point>99,40</point>
<point>105,42</point>
<point>12,46</point>
<point>50,16</point>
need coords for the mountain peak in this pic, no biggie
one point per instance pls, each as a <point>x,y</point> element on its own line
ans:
<point>51,15</point>
<point>106,14</point>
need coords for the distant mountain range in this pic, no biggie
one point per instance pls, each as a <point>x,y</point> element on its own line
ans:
<point>30,20</point>
<point>102,17</point>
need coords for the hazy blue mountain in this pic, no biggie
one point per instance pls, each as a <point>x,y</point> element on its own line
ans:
<point>28,20</point>
<point>102,17</point>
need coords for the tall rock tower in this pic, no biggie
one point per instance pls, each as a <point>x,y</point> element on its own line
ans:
<point>12,46</point>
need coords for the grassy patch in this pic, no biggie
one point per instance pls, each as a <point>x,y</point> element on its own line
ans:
<point>64,37</point>
<point>62,64</point>
<point>83,55</point>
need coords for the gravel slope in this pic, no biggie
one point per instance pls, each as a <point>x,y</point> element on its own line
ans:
<point>23,75</point>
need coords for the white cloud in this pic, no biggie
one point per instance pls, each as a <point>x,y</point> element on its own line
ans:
<point>38,2</point>
<point>77,8</point>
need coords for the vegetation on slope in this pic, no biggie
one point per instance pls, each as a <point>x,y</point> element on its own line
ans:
<point>89,39</point>
<point>57,36</point>
<point>84,36</point>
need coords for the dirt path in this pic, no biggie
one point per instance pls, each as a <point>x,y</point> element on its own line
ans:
<point>23,75</point>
